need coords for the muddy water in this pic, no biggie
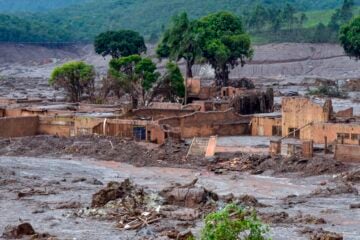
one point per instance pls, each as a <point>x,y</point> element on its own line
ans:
<point>44,173</point>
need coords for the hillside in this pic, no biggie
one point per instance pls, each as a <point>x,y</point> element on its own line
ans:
<point>81,22</point>
<point>12,6</point>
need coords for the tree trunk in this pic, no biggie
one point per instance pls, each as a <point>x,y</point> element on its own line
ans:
<point>222,76</point>
<point>189,74</point>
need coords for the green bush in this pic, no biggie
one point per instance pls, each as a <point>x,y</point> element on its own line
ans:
<point>233,223</point>
<point>327,91</point>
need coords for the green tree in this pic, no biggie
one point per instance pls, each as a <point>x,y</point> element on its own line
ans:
<point>174,79</point>
<point>76,78</point>
<point>233,223</point>
<point>119,43</point>
<point>224,43</point>
<point>134,75</point>
<point>350,38</point>
<point>180,41</point>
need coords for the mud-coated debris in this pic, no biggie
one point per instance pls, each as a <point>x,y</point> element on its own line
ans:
<point>274,217</point>
<point>308,219</point>
<point>187,195</point>
<point>354,205</point>
<point>185,235</point>
<point>79,179</point>
<point>94,181</point>
<point>113,191</point>
<point>182,214</point>
<point>31,192</point>
<point>340,187</point>
<point>352,176</point>
<point>4,172</point>
<point>15,232</point>
<point>321,234</point>
<point>251,201</point>
<point>69,205</point>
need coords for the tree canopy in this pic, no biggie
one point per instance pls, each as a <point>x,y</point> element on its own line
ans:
<point>119,43</point>
<point>180,41</point>
<point>134,75</point>
<point>174,80</point>
<point>76,78</point>
<point>350,38</point>
<point>224,43</point>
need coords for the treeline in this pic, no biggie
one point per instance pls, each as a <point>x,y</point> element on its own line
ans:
<point>266,20</point>
<point>286,24</point>
<point>12,6</point>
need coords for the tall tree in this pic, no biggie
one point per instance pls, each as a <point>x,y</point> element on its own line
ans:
<point>180,41</point>
<point>224,43</point>
<point>350,38</point>
<point>76,78</point>
<point>119,43</point>
<point>134,75</point>
<point>174,80</point>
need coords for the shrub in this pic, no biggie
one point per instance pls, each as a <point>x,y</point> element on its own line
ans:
<point>233,223</point>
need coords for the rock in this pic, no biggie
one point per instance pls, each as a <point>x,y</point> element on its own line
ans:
<point>24,229</point>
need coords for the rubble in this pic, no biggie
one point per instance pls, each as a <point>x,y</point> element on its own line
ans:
<point>321,234</point>
<point>188,195</point>
<point>338,187</point>
<point>351,176</point>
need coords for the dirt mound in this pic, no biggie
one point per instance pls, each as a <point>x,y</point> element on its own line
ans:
<point>116,190</point>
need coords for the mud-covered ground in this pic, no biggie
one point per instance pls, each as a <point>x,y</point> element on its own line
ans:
<point>278,64</point>
<point>49,182</point>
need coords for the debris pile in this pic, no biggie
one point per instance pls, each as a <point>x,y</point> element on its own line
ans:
<point>257,164</point>
<point>337,187</point>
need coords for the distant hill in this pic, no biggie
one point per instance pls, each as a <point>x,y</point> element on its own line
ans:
<point>81,20</point>
<point>7,6</point>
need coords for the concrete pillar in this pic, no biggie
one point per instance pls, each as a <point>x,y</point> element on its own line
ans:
<point>308,149</point>
<point>275,147</point>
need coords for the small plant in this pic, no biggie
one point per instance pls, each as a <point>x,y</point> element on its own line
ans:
<point>327,91</point>
<point>233,223</point>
